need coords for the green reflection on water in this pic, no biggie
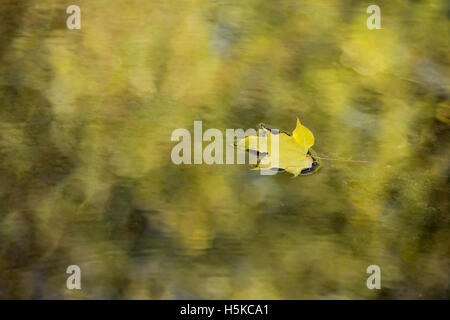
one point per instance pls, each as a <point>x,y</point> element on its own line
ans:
<point>85,171</point>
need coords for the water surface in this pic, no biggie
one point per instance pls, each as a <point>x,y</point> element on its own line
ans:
<point>86,176</point>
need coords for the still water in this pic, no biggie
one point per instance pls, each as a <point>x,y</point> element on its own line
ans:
<point>86,176</point>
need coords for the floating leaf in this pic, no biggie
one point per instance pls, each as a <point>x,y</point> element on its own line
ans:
<point>292,155</point>
<point>303,136</point>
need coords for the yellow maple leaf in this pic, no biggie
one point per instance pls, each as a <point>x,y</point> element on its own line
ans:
<point>291,152</point>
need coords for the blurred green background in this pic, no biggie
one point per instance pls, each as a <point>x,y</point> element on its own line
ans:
<point>86,176</point>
